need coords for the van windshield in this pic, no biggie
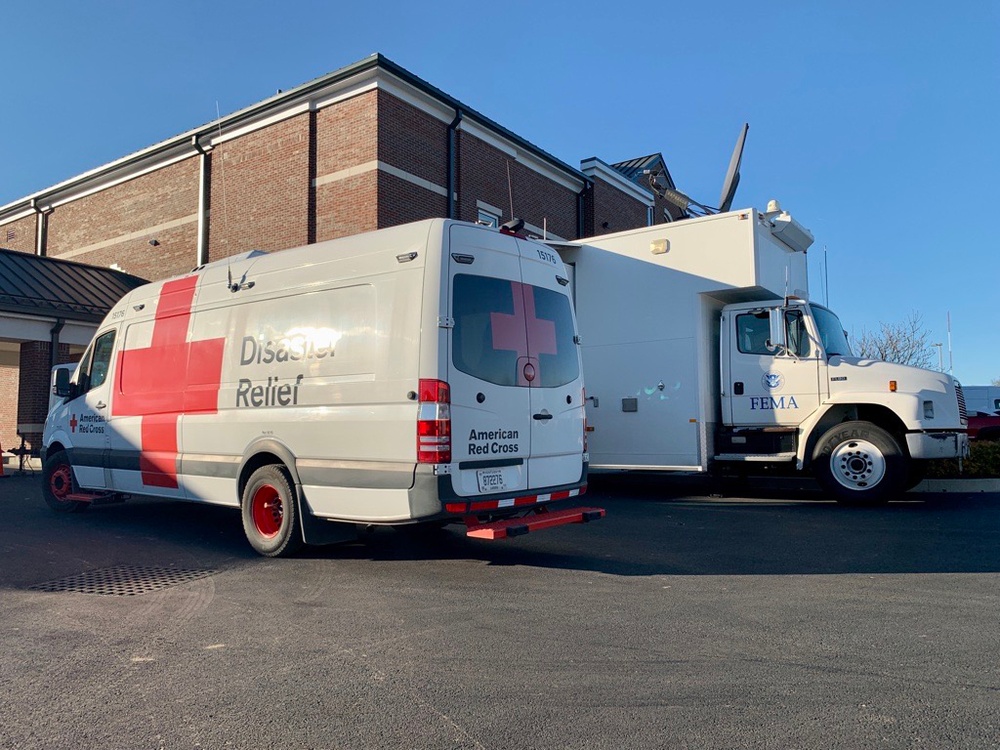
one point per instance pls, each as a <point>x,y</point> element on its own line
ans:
<point>501,324</point>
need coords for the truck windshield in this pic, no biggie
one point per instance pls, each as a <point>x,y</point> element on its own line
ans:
<point>831,332</point>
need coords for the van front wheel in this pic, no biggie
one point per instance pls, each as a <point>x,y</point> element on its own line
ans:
<point>58,484</point>
<point>270,514</point>
<point>859,463</point>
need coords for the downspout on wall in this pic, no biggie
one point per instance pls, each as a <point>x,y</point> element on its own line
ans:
<point>41,227</point>
<point>452,159</point>
<point>54,342</point>
<point>203,167</point>
<point>580,209</point>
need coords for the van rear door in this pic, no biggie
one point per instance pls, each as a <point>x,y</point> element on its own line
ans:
<point>490,410</point>
<point>556,387</point>
<point>516,392</point>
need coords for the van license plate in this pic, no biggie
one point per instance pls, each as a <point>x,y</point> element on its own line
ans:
<point>491,480</point>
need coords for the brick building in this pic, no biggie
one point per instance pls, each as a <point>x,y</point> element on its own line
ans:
<point>362,148</point>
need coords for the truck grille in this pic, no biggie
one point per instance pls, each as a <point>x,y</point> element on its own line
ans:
<point>961,402</point>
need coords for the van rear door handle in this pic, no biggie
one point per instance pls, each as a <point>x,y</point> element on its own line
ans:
<point>100,405</point>
<point>543,415</point>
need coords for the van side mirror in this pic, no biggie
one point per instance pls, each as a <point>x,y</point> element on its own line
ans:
<point>62,388</point>
<point>776,340</point>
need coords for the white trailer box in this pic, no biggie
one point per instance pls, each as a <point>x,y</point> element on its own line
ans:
<point>700,346</point>
<point>428,372</point>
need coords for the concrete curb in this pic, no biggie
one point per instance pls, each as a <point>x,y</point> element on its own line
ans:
<point>958,485</point>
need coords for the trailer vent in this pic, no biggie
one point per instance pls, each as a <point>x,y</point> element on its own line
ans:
<point>123,580</point>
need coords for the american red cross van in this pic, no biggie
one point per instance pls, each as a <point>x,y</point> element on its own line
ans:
<point>423,373</point>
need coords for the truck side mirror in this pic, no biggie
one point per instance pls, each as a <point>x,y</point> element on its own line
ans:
<point>62,388</point>
<point>776,338</point>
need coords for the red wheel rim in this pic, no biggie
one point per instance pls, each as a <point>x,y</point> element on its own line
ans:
<point>267,511</point>
<point>61,482</point>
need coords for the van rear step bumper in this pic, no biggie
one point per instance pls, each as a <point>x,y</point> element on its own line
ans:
<point>543,519</point>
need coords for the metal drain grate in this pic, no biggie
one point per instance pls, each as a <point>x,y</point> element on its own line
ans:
<point>123,580</point>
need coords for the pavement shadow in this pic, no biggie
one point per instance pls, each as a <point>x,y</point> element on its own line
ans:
<point>654,526</point>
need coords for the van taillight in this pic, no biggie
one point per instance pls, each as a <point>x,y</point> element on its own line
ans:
<point>434,423</point>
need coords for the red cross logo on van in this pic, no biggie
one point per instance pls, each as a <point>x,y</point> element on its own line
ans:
<point>173,376</point>
<point>73,423</point>
<point>523,332</point>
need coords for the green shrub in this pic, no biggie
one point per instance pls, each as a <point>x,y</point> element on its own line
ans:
<point>983,462</point>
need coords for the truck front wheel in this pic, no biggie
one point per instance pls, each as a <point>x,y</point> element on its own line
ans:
<point>859,463</point>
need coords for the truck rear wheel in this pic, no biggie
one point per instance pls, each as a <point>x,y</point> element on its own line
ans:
<point>270,513</point>
<point>58,484</point>
<point>859,463</point>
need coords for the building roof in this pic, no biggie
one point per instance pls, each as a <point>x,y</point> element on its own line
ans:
<point>52,288</point>
<point>634,169</point>
<point>307,94</point>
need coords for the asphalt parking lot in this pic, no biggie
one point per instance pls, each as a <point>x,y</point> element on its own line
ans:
<point>689,618</point>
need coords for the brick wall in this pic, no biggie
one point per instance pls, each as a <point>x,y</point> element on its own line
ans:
<point>115,225</point>
<point>345,144</point>
<point>33,386</point>
<point>609,205</point>
<point>260,190</point>
<point>19,235</point>
<point>9,384</point>
<point>483,176</point>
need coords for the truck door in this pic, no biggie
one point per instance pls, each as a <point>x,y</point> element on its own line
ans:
<point>488,354</point>
<point>766,387</point>
<point>88,414</point>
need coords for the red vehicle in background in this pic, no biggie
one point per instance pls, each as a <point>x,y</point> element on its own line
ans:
<point>984,426</point>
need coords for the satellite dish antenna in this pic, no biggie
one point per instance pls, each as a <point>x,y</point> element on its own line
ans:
<point>732,180</point>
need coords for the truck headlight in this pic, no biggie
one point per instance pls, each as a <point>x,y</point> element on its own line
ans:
<point>928,410</point>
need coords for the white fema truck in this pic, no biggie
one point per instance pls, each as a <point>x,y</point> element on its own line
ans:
<point>702,349</point>
<point>424,373</point>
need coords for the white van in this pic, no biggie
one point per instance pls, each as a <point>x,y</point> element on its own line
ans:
<point>424,373</point>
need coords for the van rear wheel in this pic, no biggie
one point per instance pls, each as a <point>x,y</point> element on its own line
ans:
<point>859,463</point>
<point>270,514</point>
<point>58,484</point>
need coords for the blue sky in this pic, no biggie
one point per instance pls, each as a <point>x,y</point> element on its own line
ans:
<point>875,124</point>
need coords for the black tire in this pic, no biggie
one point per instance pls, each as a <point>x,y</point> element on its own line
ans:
<point>270,513</point>
<point>859,463</point>
<point>58,482</point>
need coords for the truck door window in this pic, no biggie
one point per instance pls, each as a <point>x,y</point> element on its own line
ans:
<point>753,330</point>
<point>796,333</point>
<point>752,333</point>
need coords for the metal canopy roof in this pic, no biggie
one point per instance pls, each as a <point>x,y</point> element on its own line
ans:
<point>52,288</point>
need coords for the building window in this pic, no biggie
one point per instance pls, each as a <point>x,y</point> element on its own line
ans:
<point>488,218</point>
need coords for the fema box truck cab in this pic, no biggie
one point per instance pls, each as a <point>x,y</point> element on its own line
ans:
<point>702,350</point>
<point>424,373</point>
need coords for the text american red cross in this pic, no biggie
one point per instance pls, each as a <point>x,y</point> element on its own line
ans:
<point>171,377</point>
<point>523,332</point>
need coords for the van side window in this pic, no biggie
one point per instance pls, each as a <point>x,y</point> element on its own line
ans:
<point>498,322</point>
<point>96,363</point>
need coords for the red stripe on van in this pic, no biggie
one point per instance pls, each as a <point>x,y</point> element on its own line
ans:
<point>173,376</point>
